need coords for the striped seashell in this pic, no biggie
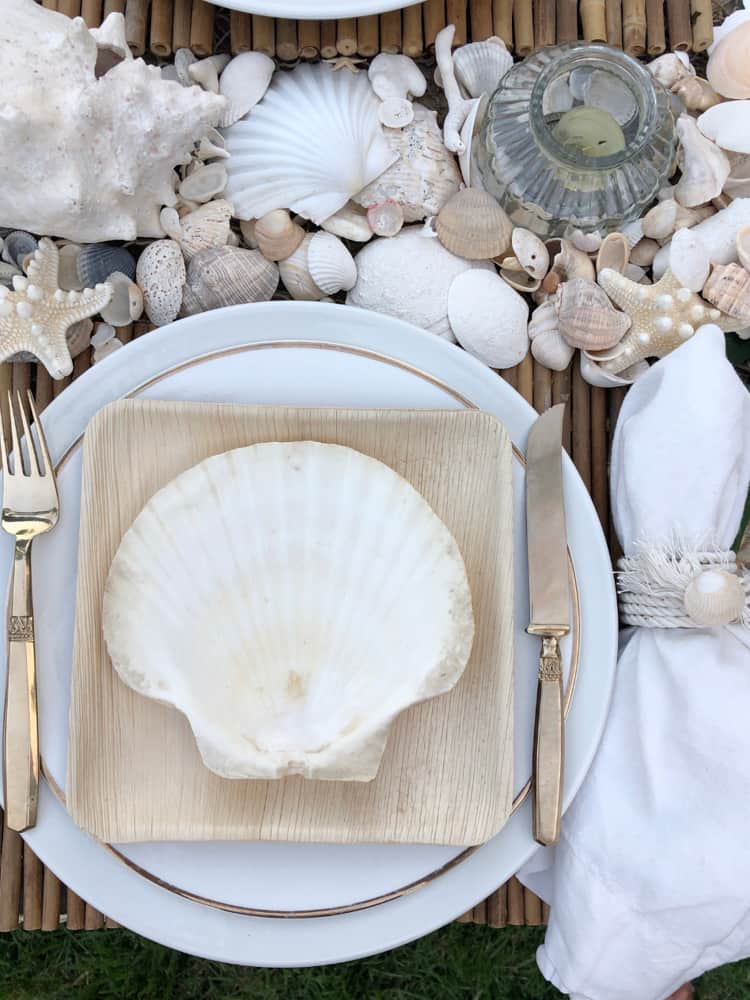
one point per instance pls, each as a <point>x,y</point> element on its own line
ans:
<point>228,276</point>
<point>728,288</point>
<point>295,274</point>
<point>548,346</point>
<point>97,261</point>
<point>472,225</point>
<point>330,264</point>
<point>205,227</point>
<point>587,318</point>
<point>480,66</point>
<point>714,597</point>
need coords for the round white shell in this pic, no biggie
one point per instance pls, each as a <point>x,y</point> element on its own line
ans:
<point>291,600</point>
<point>331,266</point>
<point>714,597</point>
<point>312,142</point>
<point>160,275</point>
<point>489,318</point>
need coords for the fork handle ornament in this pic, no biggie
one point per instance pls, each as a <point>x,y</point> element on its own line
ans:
<point>548,745</point>
<point>20,735</point>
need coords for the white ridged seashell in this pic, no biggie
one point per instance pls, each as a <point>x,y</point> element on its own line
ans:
<point>424,175</point>
<point>350,223</point>
<point>704,166</point>
<point>408,276</point>
<point>330,264</point>
<point>386,219</point>
<point>277,235</point>
<point>307,675</point>
<point>728,125</point>
<point>126,304</point>
<point>205,72</point>
<point>160,275</point>
<point>488,318</point>
<point>205,227</point>
<point>309,145</point>
<point>718,234</point>
<point>728,71</point>
<point>479,66</point>
<point>714,597</point>
<point>295,274</point>
<point>205,183</point>
<point>473,225</point>
<point>227,276</point>
<point>548,346</point>
<point>688,259</point>
<point>395,76</point>
<point>244,82</point>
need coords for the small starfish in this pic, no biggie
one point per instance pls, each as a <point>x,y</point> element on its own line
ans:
<point>345,62</point>
<point>663,316</point>
<point>36,314</point>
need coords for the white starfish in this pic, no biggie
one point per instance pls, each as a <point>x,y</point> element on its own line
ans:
<point>36,314</point>
<point>345,62</point>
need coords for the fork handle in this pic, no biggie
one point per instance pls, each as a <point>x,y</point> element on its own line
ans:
<point>20,734</point>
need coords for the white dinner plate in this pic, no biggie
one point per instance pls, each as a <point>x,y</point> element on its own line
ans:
<point>205,898</point>
<point>315,9</point>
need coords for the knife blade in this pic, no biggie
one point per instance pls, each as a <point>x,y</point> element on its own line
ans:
<point>550,613</point>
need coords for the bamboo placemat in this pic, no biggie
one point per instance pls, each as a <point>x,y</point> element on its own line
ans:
<point>30,895</point>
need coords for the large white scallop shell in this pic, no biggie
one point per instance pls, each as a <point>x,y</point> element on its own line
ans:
<point>310,144</point>
<point>291,600</point>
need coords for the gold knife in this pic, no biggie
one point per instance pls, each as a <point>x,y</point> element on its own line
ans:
<point>550,614</point>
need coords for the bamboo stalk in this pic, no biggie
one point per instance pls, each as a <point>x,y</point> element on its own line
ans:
<point>50,4</point>
<point>545,22</point>
<point>479,913</point>
<point>327,39</point>
<point>515,903</point>
<point>76,910</point>
<point>593,20</point>
<point>114,7</point>
<point>181,18</point>
<point>510,375</point>
<point>411,17</point>
<point>368,35</point>
<point>390,31</point>
<point>497,907</point>
<point>111,924</point>
<point>91,12</point>
<point>634,26</point>
<point>10,878</point>
<point>613,15</point>
<point>136,16</point>
<point>50,901</point>
<point>567,20</point>
<point>523,27</point>
<point>308,36</point>
<point>33,883</point>
<point>542,388</point>
<point>202,28</point>
<point>545,913</point>
<point>599,491</point>
<point>532,906</point>
<point>581,426</point>
<point>346,37</point>
<point>703,27</point>
<point>43,390</point>
<point>561,394</point>
<point>466,918</point>
<point>526,378</point>
<point>455,13</point>
<point>93,920</point>
<point>21,376</point>
<point>241,32</point>
<point>433,17</point>
<point>70,7</point>
<point>287,48</point>
<point>162,20</point>
<point>502,20</point>
<point>656,43</point>
<point>263,35</point>
<point>615,399</point>
<point>680,29</point>
<point>480,15</point>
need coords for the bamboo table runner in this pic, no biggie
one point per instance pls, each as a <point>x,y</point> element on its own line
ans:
<point>30,895</point>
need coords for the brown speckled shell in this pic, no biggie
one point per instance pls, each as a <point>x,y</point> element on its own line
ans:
<point>728,288</point>
<point>587,318</point>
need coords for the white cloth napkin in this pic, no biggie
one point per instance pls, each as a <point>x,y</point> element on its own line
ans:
<point>650,883</point>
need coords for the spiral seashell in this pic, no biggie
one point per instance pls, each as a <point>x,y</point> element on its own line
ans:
<point>472,225</point>
<point>728,69</point>
<point>227,276</point>
<point>277,235</point>
<point>714,597</point>
<point>386,219</point>
<point>205,227</point>
<point>548,346</point>
<point>126,304</point>
<point>479,66</point>
<point>330,264</point>
<point>728,288</point>
<point>160,275</point>
<point>295,274</point>
<point>587,318</point>
<point>97,261</point>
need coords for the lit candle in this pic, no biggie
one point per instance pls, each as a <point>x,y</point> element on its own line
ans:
<point>590,132</point>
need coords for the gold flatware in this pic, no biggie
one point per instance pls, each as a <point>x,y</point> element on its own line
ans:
<point>30,508</point>
<point>550,614</point>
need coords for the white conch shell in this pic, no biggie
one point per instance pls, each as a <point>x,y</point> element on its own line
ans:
<point>396,79</point>
<point>688,259</point>
<point>408,276</point>
<point>160,275</point>
<point>714,597</point>
<point>548,346</point>
<point>479,66</point>
<point>205,227</point>
<point>331,266</point>
<point>227,276</point>
<point>670,67</point>
<point>458,106</point>
<point>718,234</point>
<point>704,166</point>
<point>424,175</point>
<point>244,82</point>
<point>78,155</point>
<point>307,670</point>
<point>309,145</point>
<point>728,124</point>
<point>350,223</point>
<point>488,318</point>
<point>728,70</point>
<point>295,273</point>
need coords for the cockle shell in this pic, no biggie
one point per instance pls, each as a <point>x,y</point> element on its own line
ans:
<point>728,71</point>
<point>728,288</point>
<point>309,145</point>
<point>243,83</point>
<point>424,175</point>
<point>295,273</point>
<point>704,166</point>
<point>696,94</point>
<point>586,317</point>
<point>488,318</point>
<point>548,346</point>
<point>718,234</point>
<point>81,157</point>
<point>277,235</point>
<point>227,276</point>
<point>331,266</point>
<point>307,673</point>
<point>614,252</point>
<point>688,259</point>
<point>479,66</point>
<point>386,219</point>
<point>728,125</point>
<point>715,597</point>
<point>472,225</point>
<point>350,223</point>
<point>409,276</point>
<point>126,304</point>
<point>743,247</point>
<point>97,261</point>
<point>205,227</point>
<point>160,275</point>
<point>530,252</point>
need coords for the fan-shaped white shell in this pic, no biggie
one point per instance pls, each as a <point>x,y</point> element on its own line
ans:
<point>331,266</point>
<point>290,600</point>
<point>480,66</point>
<point>310,144</point>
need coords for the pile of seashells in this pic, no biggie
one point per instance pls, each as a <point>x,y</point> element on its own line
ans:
<point>225,178</point>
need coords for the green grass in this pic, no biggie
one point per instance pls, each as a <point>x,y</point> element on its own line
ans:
<point>459,962</point>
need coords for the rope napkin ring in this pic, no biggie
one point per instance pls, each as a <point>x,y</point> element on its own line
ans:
<point>663,587</point>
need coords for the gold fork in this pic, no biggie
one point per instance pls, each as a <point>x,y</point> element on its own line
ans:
<point>30,507</point>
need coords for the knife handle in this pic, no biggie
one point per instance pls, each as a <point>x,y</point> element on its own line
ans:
<point>548,746</point>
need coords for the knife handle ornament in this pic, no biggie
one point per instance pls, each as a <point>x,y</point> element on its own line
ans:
<point>548,746</point>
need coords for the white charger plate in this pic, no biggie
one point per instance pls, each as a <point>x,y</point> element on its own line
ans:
<point>302,354</point>
<point>316,9</point>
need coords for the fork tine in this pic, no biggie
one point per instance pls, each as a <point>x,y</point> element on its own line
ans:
<point>46,462</point>
<point>3,448</point>
<point>16,447</point>
<point>33,463</point>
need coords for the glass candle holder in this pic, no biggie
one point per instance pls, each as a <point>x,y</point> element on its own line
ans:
<point>576,136</point>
